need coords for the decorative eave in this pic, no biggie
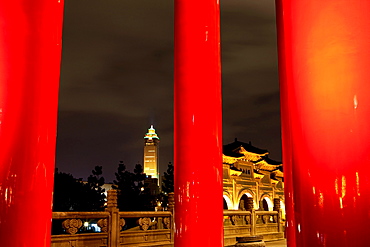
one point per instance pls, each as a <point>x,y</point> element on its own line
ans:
<point>263,165</point>
<point>229,159</point>
<point>235,172</point>
<point>274,181</point>
<point>258,175</point>
<point>250,156</point>
<point>278,173</point>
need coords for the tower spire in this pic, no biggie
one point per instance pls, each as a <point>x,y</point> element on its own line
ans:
<point>151,134</point>
<point>151,148</point>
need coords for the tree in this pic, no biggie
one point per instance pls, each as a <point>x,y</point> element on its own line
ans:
<point>134,194</point>
<point>139,178</point>
<point>167,184</point>
<point>71,194</point>
<point>145,199</point>
<point>125,184</point>
<point>168,179</point>
<point>94,196</point>
<point>66,192</point>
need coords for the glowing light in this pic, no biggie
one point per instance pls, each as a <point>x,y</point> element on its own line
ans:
<point>355,102</point>
<point>86,224</point>
<point>151,134</point>
<point>321,200</point>
<point>344,185</point>
<point>282,207</point>
<point>6,194</point>
<point>357,184</point>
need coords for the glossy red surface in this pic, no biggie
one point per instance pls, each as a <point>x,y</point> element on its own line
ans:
<point>198,125</point>
<point>324,75</point>
<point>30,48</point>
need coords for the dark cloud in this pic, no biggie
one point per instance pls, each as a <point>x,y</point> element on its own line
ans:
<point>117,79</point>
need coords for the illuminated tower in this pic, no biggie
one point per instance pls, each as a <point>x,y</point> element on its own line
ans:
<point>151,146</point>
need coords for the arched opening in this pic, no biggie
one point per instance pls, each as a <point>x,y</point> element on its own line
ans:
<point>243,201</point>
<point>267,204</point>
<point>282,207</point>
<point>227,202</point>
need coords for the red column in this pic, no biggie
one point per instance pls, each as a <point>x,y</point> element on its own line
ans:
<point>324,49</point>
<point>30,48</point>
<point>198,125</point>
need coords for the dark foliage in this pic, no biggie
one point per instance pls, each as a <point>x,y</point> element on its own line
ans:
<point>167,184</point>
<point>71,194</point>
<point>168,179</point>
<point>94,192</point>
<point>134,194</point>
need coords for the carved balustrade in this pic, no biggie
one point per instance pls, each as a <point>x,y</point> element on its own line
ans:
<point>146,228</point>
<point>69,230</point>
<point>267,221</point>
<point>134,229</point>
<point>118,229</point>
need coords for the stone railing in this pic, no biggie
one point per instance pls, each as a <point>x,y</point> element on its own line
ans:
<point>73,233</point>
<point>153,229</point>
<point>127,229</point>
<point>115,228</point>
<point>118,229</point>
<point>249,223</point>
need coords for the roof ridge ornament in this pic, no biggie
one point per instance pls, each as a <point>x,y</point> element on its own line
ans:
<point>151,134</point>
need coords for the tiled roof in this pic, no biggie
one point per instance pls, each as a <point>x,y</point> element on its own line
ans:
<point>233,148</point>
<point>271,162</point>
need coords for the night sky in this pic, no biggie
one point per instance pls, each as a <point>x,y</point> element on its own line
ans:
<point>117,80</point>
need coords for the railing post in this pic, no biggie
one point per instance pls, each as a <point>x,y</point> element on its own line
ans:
<point>277,208</point>
<point>113,220</point>
<point>253,222</point>
<point>171,202</point>
<point>280,228</point>
<point>171,208</point>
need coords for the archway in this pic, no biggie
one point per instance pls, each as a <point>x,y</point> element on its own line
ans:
<point>282,207</point>
<point>242,205</point>
<point>267,204</point>
<point>227,202</point>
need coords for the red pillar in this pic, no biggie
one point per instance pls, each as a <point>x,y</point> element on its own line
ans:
<point>198,125</point>
<point>30,48</point>
<point>324,54</point>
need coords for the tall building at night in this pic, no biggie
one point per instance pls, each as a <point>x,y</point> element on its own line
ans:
<point>151,148</point>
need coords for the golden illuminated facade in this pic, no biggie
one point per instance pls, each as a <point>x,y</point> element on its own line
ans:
<point>248,172</point>
<point>151,148</point>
